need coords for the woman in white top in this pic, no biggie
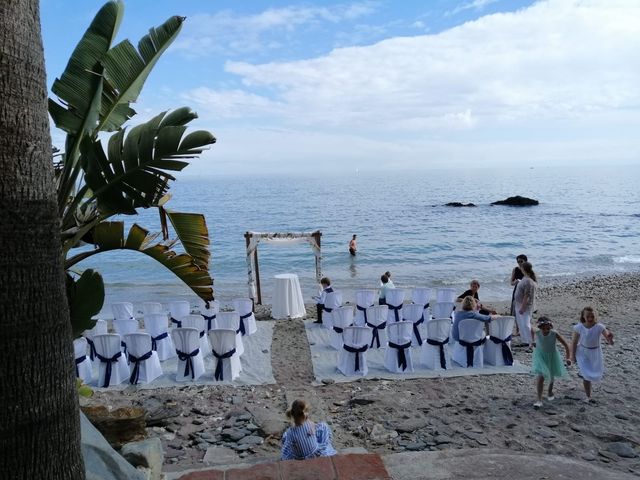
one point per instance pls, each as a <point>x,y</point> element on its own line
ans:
<point>524,301</point>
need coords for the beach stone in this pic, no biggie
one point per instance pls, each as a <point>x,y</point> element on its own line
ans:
<point>442,439</point>
<point>589,456</point>
<point>220,456</point>
<point>410,425</point>
<point>608,455</point>
<point>235,434</point>
<point>171,453</point>
<point>622,449</point>
<point>251,440</point>
<point>379,434</point>
<point>270,422</point>
<point>147,454</point>
<point>415,446</point>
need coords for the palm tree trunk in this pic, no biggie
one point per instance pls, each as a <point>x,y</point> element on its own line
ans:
<point>39,426</point>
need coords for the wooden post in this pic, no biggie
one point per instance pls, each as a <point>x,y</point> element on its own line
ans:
<point>317,234</point>
<point>255,256</point>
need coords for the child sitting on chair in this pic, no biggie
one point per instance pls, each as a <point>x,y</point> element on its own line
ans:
<point>305,439</point>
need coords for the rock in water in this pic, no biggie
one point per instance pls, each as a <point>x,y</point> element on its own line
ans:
<point>517,201</point>
<point>459,204</point>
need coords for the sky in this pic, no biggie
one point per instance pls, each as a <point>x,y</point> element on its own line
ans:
<point>387,85</point>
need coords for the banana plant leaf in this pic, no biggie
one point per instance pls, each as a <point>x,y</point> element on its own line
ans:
<point>135,173</point>
<point>110,236</point>
<point>85,297</point>
<point>191,230</point>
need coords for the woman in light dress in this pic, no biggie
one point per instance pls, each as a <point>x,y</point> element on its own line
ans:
<point>524,302</point>
<point>587,350</point>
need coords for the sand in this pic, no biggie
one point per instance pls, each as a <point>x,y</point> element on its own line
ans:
<point>492,411</point>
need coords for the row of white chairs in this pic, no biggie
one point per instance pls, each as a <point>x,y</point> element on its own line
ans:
<point>141,362</point>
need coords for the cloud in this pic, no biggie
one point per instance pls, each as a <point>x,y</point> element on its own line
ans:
<point>477,5</point>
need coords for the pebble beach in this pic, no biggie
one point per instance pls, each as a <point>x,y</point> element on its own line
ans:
<point>220,425</point>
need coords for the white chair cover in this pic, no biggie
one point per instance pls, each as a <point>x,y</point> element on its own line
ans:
<point>113,368</point>
<point>364,299</point>
<point>122,310</point>
<point>414,313</point>
<point>422,296</point>
<point>177,310</point>
<point>395,300</point>
<point>497,348</point>
<point>143,361</point>
<point>435,349</point>
<point>190,360</point>
<point>197,322</point>
<point>151,307</point>
<point>156,325</point>
<point>468,351</point>
<point>446,295</point>
<point>100,328</point>
<point>210,314</point>
<point>122,328</point>
<point>226,359</point>
<point>377,321</point>
<point>442,309</point>
<point>331,301</point>
<point>397,357</point>
<point>83,362</point>
<point>352,358</point>
<point>244,307</point>
<point>342,318</point>
<point>231,320</point>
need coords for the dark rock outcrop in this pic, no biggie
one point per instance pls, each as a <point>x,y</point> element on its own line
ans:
<point>517,201</point>
<point>458,204</point>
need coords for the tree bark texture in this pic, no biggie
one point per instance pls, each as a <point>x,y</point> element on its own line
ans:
<point>39,422</point>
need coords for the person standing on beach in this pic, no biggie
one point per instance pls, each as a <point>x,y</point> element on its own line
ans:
<point>587,350</point>
<point>524,298</point>
<point>325,284</point>
<point>516,276</point>
<point>353,247</point>
<point>546,363</point>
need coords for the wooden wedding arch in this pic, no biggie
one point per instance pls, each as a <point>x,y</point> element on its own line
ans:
<point>253,269</point>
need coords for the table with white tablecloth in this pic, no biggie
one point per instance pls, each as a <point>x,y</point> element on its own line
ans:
<point>287,297</point>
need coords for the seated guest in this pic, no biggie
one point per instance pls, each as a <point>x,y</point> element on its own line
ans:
<point>473,292</point>
<point>385,284</point>
<point>468,311</point>
<point>325,284</point>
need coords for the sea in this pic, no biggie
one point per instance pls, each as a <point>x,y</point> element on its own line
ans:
<point>587,223</point>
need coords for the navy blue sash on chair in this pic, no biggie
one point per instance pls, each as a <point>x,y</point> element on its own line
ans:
<point>243,330</point>
<point>108,361</point>
<point>328,310</point>
<point>416,331</point>
<point>402,359</point>
<point>507,356</point>
<point>177,322</point>
<point>188,359</point>
<point>357,351</point>
<point>209,319</point>
<point>338,329</point>
<point>154,340</point>
<point>396,310</point>
<point>376,337</point>
<point>79,360</point>
<point>135,373</point>
<point>92,349</point>
<point>363,309</point>
<point>470,347</point>
<point>218,373</point>
<point>440,345</point>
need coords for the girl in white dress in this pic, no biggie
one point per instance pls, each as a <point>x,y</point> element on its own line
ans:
<point>524,298</point>
<point>587,350</point>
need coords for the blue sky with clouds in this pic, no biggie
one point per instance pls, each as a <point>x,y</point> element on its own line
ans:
<point>336,86</point>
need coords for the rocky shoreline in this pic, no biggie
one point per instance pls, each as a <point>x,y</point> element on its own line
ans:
<point>213,425</point>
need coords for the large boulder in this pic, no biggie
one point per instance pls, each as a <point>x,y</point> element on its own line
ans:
<point>145,455</point>
<point>517,201</point>
<point>459,204</point>
<point>119,426</point>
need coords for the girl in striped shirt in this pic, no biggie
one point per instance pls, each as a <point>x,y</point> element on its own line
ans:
<point>305,439</point>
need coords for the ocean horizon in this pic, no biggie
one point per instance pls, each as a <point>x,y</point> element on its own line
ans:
<point>587,223</point>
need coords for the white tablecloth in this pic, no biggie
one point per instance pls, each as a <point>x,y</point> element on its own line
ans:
<point>287,297</point>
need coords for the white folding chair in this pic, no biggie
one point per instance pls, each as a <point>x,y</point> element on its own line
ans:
<point>100,328</point>
<point>421,296</point>
<point>497,348</point>
<point>210,314</point>
<point>177,310</point>
<point>83,363</point>
<point>143,361</point>
<point>151,308</point>
<point>414,313</point>
<point>113,368</point>
<point>226,358</point>
<point>244,307</point>
<point>190,360</point>
<point>395,300</point>
<point>364,299</point>
<point>377,321</point>
<point>123,327</point>
<point>445,295</point>
<point>197,322</point>
<point>435,349</point>
<point>397,357</point>
<point>352,359</point>
<point>331,301</point>
<point>442,309</point>
<point>468,351</point>
<point>342,318</point>
<point>122,310</point>
<point>231,320</point>
<point>156,325</point>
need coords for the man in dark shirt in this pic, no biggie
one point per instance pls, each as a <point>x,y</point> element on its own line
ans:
<point>474,286</point>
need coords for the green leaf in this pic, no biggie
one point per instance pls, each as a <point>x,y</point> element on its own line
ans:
<point>86,297</point>
<point>191,229</point>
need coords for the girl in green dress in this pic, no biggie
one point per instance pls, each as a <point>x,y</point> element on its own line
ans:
<point>546,361</point>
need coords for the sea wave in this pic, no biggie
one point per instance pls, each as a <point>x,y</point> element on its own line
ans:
<point>627,259</point>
